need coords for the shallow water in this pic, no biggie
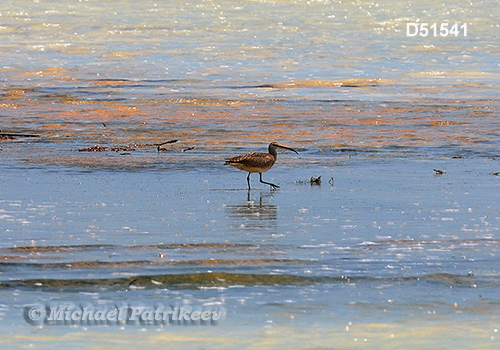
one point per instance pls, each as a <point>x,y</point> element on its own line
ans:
<point>386,252</point>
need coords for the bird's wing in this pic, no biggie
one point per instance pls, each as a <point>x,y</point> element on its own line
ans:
<point>253,160</point>
<point>239,159</point>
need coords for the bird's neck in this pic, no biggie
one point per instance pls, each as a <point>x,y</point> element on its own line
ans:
<point>273,152</point>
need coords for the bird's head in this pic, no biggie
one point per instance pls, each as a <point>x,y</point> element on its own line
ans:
<point>274,145</point>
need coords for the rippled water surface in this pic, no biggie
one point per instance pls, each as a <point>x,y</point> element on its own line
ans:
<point>115,121</point>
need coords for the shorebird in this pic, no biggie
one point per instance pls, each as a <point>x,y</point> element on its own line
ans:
<point>258,162</point>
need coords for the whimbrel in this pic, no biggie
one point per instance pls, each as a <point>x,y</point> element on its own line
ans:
<point>258,162</point>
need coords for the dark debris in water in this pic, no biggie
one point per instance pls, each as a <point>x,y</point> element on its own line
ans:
<point>159,148</point>
<point>12,136</point>
<point>98,148</point>
<point>140,145</point>
<point>313,181</point>
<point>4,138</point>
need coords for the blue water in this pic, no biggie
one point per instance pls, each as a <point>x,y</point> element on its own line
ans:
<point>395,248</point>
<point>400,242</point>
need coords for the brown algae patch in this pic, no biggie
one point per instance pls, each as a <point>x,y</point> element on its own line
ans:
<point>113,82</point>
<point>214,124</point>
<point>174,281</point>
<point>217,279</point>
<point>205,102</point>
<point>13,257</point>
<point>159,263</point>
<point>445,122</point>
<point>54,72</point>
<point>351,82</point>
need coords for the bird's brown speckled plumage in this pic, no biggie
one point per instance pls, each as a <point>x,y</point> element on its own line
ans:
<point>257,162</point>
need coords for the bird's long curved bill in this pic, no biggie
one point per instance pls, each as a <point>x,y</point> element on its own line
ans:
<point>288,148</point>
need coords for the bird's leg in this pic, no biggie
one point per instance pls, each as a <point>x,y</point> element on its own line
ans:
<point>248,181</point>
<point>267,183</point>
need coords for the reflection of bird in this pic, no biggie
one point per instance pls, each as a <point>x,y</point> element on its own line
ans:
<point>256,215</point>
<point>258,162</point>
